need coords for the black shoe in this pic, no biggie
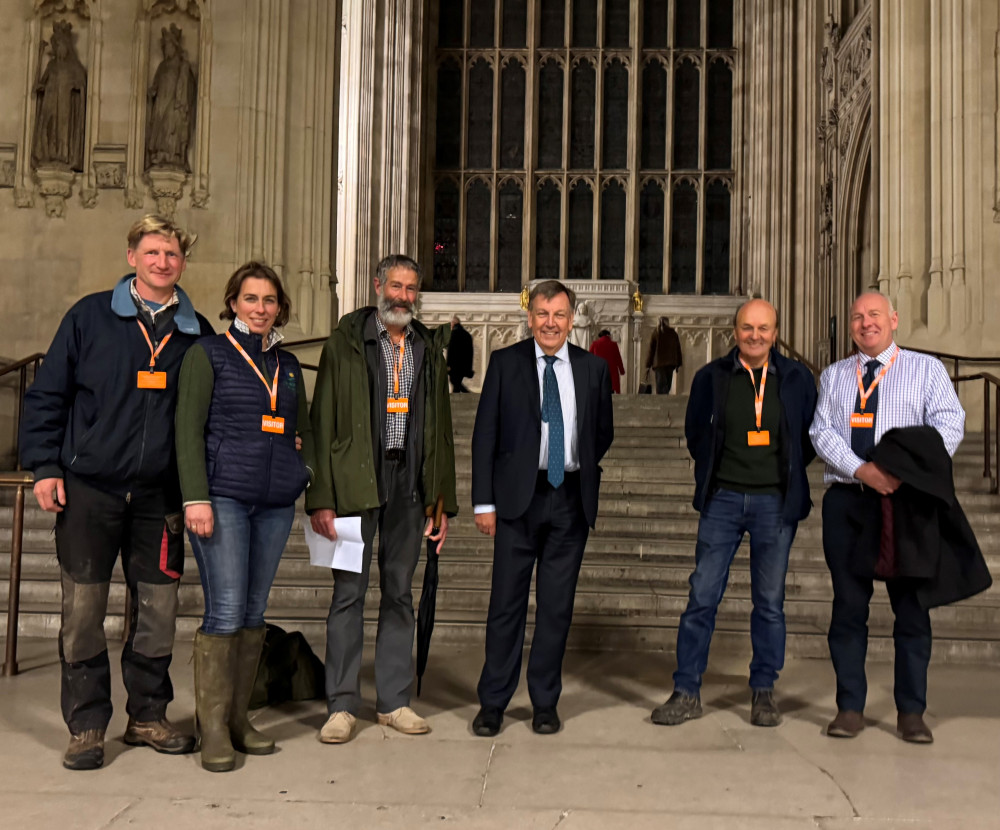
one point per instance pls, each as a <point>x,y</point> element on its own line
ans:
<point>487,723</point>
<point>545,720</point>
<point>679,708</point>
<point>763,710</point>
<point>85,750</point>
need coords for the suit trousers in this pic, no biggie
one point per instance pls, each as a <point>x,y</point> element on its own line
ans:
<point>848,636</point>
<point>552,532</point>
<point>400,524</point>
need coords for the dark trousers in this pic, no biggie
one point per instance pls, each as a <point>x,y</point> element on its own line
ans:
<point>552,532</point>
<point>457,378</point>
<point>848,637</point>
<point>400,523</point>
<point>90,531</point>
<point>664,379</point>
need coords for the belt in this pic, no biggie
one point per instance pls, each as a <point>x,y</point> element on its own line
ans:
<point>395,454</point>
<point>542,481</point>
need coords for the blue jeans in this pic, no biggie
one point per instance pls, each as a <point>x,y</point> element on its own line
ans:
<point>724,520</point>
<point>237,563</point>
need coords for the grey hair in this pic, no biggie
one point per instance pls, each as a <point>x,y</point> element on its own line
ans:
<point>550,289</point>
<point>398,261</point>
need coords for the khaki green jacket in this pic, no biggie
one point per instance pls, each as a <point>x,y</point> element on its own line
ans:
<point>347,474</point>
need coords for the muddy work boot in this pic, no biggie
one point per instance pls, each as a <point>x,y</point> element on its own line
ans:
<point>85,750</point>
<point>160,734</point>
<point>679,708</point>
<point>763,708</point>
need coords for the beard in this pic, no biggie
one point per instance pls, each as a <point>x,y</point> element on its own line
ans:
<point>394,312</point>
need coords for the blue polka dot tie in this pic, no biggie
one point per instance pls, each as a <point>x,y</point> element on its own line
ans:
<point>552,415</point>
<point>863,438</point>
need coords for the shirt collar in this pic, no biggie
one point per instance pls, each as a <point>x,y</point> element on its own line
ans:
<point>738,367</point>
<point>174,300</point>
<point>273,336</point>
<point>562,354</point>
<point>384,332</point>
<point>883,357</point>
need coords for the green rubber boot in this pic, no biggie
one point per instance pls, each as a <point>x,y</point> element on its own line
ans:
<point>245,738</point>
<point>214,670</point>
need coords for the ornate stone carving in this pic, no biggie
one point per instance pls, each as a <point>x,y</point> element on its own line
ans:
<point>110,175</point>
<point>135,198</point>
<point>55,185</point>
<point>45,8</point>
<point>88,197</point>
<point>7,170</point>
<point>155,8</point>
<point>173,99</point>
<point>60,114</point>
<point>167,186</point>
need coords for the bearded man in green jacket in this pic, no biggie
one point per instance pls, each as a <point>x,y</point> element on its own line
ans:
<point>381,420</point>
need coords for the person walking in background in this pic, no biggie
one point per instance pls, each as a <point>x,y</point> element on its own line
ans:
<point>664,356</point>
<point>98,434</point>
<point>241,410</point>
<point>459,356</point>
<point>381,419</point>
<point>747,429</point>
<point>606,349</point>
<point>544,423</point>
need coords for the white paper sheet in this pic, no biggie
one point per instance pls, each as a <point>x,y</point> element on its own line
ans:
<point>344,554</point>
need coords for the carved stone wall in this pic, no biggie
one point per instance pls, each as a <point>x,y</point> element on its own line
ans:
<point>262,156</point>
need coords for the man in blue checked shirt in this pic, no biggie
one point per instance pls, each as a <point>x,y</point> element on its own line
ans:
<point>861,398</point>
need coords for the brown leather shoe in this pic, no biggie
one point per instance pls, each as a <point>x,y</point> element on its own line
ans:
<point>85,750</point>
<point>161,735</point>
<point>911,728</point>
<point>847,724</point>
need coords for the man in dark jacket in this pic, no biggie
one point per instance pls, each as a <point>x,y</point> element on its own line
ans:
<point>747,429</point>
<point>664,356</point>
<point>98,434</point>
<point>459,356</point>
<point>381,420</point>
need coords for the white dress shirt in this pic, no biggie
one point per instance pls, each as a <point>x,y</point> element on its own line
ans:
<point>567,399</point>
<point>916,391</point>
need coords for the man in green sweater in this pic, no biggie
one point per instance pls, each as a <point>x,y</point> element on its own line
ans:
<point>381,419</point>
<point>747,429</point>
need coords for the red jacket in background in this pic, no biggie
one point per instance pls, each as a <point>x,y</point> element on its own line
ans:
<point>606,348</point>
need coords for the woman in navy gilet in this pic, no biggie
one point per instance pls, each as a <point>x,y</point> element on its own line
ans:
<point>243,442</point>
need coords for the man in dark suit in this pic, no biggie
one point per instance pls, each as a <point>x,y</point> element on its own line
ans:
<point>544,423</point>
<point>459,356</point>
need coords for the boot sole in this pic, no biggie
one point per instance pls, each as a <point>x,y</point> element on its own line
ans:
<point>676,721</point>
<point>181,750</point>
<point>255,750</point>
<point>218,766</point>
<point>81,763</point>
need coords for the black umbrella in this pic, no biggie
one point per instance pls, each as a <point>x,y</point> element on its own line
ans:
<point>428,597</point>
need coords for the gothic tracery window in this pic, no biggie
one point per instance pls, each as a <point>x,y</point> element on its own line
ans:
<point>582,139</point>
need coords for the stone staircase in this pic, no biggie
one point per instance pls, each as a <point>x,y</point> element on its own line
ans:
<point>633,585</point>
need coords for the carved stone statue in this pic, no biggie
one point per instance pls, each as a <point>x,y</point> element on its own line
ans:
<point>524,298</point>
<point>580,335</point>
<point>173,98</point>
<point>60,121</point>
<point>637,301</point>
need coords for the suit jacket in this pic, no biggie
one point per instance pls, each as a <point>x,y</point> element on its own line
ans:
<point>507,437</point>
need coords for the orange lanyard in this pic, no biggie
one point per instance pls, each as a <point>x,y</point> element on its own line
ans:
<point>865,395</point>
<point>397,367</point>
<point>153,354</point>
<point>758,397</point>
<point>273,388</point>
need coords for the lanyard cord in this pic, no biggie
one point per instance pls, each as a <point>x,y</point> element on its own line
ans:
<point>758,397</point>
<point>153,354</point>
<point>864,394</point>
<point>273,388</point>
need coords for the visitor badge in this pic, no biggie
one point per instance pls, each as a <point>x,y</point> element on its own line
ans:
<point>758,438</point>
<point>151,380</point>
<point>397,406</point>
<point>862,420</point>
<point>271,423</point>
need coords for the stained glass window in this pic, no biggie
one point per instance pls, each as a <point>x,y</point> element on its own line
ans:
<point>510,209</point>
<point>581,146</point>
<point>584,139</point>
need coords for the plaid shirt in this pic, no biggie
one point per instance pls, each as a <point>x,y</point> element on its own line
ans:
<point>395,422</point>
<point>916,391</point>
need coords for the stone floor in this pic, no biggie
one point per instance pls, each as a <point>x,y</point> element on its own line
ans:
<point>608,768</point>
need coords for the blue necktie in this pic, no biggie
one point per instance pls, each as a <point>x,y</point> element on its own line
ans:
<point>552,415</point>
<point>863,438</point>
